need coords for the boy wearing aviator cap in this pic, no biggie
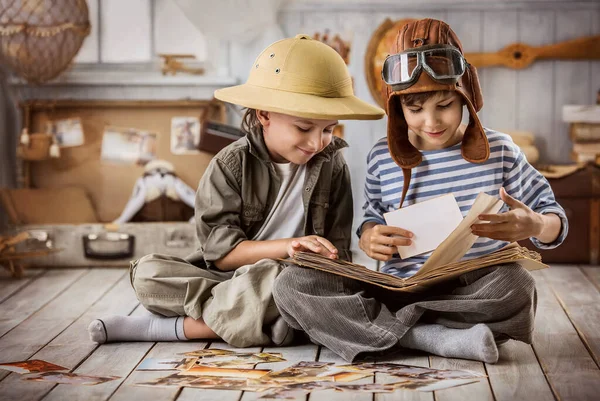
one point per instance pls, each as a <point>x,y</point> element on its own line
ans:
<point>429,153</point>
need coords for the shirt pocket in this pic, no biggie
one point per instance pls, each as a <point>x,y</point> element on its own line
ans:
<point>251,214</point>
<point>319,206</point>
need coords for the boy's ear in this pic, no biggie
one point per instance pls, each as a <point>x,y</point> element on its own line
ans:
<point>264,117</point>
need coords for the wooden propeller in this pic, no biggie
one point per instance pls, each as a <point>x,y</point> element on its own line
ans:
<point>520,55</point>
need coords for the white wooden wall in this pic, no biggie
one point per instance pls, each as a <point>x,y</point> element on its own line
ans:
<point>530,99</point>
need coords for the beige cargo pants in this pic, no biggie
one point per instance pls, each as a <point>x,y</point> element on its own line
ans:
<point>235,305</point>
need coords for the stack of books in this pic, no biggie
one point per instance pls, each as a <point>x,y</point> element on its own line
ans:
<point>584,131</point>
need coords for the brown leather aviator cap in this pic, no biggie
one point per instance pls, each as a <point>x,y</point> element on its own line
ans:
<point>412,37</point>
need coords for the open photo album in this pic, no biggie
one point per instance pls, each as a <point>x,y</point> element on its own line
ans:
<point>443,264</point>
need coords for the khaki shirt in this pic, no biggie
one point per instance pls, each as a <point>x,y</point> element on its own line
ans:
<point>240,185</point>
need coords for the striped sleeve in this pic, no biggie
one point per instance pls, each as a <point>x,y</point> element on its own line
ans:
<point>373,207</point>
<point>525,183</point>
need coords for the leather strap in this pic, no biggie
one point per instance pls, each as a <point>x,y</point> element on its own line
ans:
<point>406,172</point>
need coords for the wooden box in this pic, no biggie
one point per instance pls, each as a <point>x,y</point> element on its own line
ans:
<point>579,195</point>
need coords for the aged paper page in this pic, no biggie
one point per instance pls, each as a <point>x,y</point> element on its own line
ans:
<point>461,239</point>
<point>431,222</point>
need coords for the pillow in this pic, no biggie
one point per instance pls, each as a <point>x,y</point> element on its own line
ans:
<point>69,205</point>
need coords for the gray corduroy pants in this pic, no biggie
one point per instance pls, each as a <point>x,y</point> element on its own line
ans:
<point>353,318</point>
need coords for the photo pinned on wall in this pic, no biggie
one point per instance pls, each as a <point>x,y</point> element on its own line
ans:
<point>185,135</point>
<point>128,146</point>
<point>67,132</point>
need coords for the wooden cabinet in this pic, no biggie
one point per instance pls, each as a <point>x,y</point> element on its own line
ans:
<point>579,195</point>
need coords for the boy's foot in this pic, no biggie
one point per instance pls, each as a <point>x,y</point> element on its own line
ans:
<point>281,333</point>
<point>501,339</point>
<point>137,328</point>
<point>476,343</point>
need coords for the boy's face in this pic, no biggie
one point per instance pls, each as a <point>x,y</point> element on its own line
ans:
<point>435,122</point>
<point>294,139</point>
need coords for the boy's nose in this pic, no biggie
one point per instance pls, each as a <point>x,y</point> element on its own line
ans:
<point>314,142</point>
<point>432,120</point>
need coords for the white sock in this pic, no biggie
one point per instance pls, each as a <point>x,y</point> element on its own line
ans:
<point>476,343</point>
<point>281,333</point>
<point>137,328</point>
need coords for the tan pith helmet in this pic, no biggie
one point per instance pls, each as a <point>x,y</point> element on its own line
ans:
<point>301,77</point>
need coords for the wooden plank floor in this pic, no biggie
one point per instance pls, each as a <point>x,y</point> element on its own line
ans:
<point>45,315</point>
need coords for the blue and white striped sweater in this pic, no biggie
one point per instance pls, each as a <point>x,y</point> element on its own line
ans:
<point>445,171</point>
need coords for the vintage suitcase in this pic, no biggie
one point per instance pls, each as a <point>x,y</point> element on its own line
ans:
<point>579,195</point>
<point>64,219</point>
<point>69,202</point>
<point>99,245</point>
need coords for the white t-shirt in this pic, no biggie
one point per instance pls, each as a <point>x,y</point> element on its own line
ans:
<point>286,218</point>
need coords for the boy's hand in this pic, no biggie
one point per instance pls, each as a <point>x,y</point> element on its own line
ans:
<point>519,223</point>
<point>312,243</point>
<point>380,242</point>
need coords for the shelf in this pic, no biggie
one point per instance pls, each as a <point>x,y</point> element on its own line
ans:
<point>111,77</point>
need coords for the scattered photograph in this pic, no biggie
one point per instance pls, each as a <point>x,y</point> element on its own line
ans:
<point>175,380</point>
<point>185,135</point>
<point>302,372</point>
<point>229,359</point>
<point>418,378</point>
<point>433,384</point>
<point>366,388</point>
<point>343,377</point>
<point>294,391</point>
<point>128,146</point>
<point>67,132</point>
<point>199,370</point>
<point>313,365</point>
<point>229,383</point>
<point>207,382</point>
<point>239,360</point>
<point>167,364</point>
<point>203,353</point>
<point>31,366</point>
<point>268,357</point>
<point>414,372</point>
<point>69,378</point>
<point>219,370</point>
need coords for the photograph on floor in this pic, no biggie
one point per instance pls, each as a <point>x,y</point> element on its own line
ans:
<point>69,378</point>
<point>31,366</point>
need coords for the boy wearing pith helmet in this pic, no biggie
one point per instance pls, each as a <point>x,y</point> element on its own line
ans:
<point>283,188</point>
<point>428,153</point>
